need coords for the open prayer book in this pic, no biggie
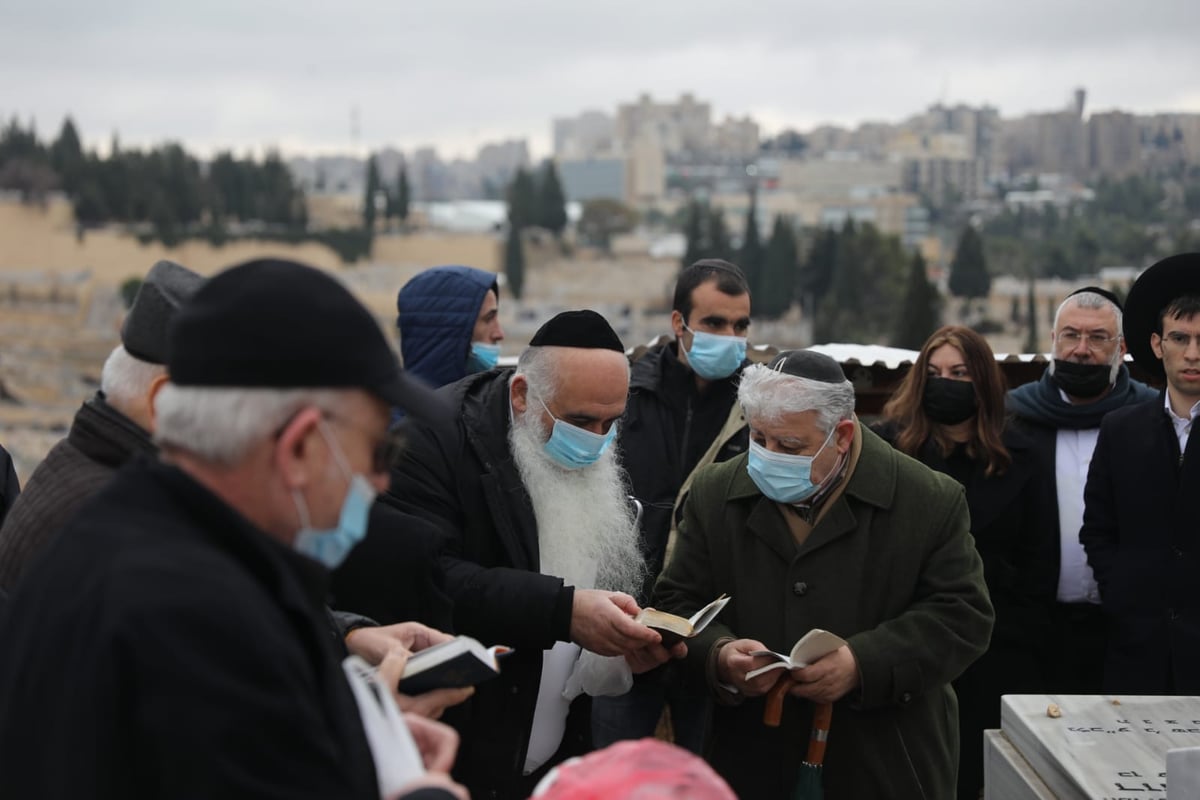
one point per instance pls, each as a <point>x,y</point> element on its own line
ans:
<point>397,758</point>
<point>461,661</point>
<point>813,645</point>
<point>673,628</point>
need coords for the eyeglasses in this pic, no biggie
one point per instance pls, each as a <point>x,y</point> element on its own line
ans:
<point>1178,340</point>
<point>386,450</point>
<point>1095,341</point>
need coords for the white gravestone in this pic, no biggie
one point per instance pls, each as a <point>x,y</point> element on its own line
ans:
<point>1099,747</point>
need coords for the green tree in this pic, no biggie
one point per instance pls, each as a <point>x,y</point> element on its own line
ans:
<point>969,277</point>
<point>718,236</point>
<point>522,200</point>
<point>514,261</point>
<point>552,202</point>
<point>602,218</point>
<point>372,192</point>
<point>403,195</point>
<point>776,288</point>
<point>67,159</point>
<point>751,256</point>
<point>693,232</point>
<point>921,309</point>
<point>1031,331</point>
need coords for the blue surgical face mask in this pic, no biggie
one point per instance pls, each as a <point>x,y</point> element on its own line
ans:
<point>331,546</point>
<point>573,447</point>
<point>782,477</point>
<point>714,357</point>
<point>483,357</point>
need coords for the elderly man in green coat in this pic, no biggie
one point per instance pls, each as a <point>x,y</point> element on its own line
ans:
<point>823,525</point>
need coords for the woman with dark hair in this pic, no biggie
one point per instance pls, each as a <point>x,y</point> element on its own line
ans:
<point>948,412</point>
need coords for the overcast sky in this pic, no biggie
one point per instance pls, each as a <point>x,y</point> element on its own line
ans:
<point>254,73</point>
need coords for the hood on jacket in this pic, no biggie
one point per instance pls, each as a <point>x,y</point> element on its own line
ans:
<point>437,313</point>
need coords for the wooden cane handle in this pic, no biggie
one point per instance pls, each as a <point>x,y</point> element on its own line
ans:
<point>773,713</point>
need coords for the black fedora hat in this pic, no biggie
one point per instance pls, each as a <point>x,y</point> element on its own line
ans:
<point>1174,276</point>
<point>279,324</point>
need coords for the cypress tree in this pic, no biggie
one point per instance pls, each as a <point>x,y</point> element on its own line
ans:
<point>969,277</point>
<point>777,285</point>
<point>514,262</point>
<point>750,257</point>
<point>369,196</point>
<point>552,202</point>
<point>919,314</point>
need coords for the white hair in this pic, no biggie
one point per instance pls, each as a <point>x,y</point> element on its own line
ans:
<point>1089,300</point>
<point>539,367</point>
<point>126,380</point>
<point>220,425</point>
<point>767,395</point>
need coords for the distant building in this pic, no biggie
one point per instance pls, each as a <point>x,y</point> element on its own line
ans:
<point>594,178</point>
<point>683,128</point>
<point>1114,143</point>
<point>585,135</point>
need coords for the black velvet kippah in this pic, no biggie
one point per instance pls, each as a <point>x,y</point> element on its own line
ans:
<point>584,329</point>
<point>808,364</point>
<point>1105,293</point>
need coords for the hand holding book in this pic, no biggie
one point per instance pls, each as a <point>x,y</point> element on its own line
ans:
<point>814,645</point>
<point>674,628</point>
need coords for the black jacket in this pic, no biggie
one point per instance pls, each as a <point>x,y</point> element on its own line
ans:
<point>10,487</point>
<point>460,476</point>
<point>164,647</point>
<point>667,427</point>
<point>100,441</point>
<point>1143,542</point>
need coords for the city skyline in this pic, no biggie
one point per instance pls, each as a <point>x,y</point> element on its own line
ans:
<point>249,77</point>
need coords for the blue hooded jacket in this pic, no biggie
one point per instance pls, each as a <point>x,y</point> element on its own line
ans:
<point>437,313</point>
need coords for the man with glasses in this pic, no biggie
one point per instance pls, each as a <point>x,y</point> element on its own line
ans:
<point>1086,380</point>
<point>189,652</point>
<point>1139,528</point>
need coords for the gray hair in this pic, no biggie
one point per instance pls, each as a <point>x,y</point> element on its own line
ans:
<point>126,380</point>
<point>220,425</point>
<point>767,395</point>
<point>1089,300</point>
<point>539,367</point>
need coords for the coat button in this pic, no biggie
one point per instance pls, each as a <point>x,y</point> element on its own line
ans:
<point>1178,551</point>
<point>906,698</point>
<point>799,588</point>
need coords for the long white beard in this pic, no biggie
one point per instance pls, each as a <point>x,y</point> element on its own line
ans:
<point>586,529</point>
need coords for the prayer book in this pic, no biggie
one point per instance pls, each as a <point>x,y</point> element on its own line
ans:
<point>461,661</point>
<point>674,628</point>
<point>813,645</point>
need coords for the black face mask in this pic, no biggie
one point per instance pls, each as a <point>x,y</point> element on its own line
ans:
<point>947,401</point>
<point>1082,380</point>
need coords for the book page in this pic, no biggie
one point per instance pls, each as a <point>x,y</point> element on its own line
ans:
<point>701,618</point>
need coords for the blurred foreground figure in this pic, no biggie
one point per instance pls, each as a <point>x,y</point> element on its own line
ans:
<point>191,654</point>
<point>109,430</point>
<point>645,769</point>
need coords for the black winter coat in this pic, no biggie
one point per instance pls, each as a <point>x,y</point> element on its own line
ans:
<point>460,476</point>
<point>667,427</point>
<point>100,441</point>
<point>1143,542</point>
<point>164,647</point>
<point>10,487</point>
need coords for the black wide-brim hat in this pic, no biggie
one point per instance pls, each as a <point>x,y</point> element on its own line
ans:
<point>1174,276</point>
<point>282,325</point>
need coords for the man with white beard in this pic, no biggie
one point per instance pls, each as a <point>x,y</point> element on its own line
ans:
<point>540,545</point>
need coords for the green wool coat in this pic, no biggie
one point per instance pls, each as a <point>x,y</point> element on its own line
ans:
<point>892,568</point>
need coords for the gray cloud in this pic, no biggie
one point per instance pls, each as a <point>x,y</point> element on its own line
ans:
<point>243,74</point>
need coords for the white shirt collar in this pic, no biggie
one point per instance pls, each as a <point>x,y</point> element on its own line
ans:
<point>1171,412</point>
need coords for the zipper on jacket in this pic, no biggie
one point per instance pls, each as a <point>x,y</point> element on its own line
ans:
<point>687,432</point>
